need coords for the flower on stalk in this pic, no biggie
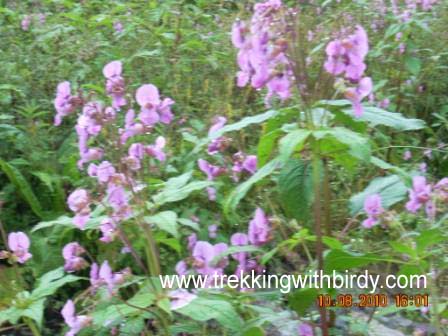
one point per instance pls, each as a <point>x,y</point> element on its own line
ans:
<point>79,202</point>
<point>420,195</point>
<point>71,253</point>
<point>259,228</point>
<point>373,209</point>
<point>73,321</point>
<point>115,83</point>
<point>19,243</point>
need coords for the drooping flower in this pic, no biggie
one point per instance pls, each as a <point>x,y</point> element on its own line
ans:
<point>212,231</point>
<point>204,254</point>
<point>419,195</point>
<point>115,83</point>
<point>239,239</point>
<point>373,209</point>
<point>72,255</point>
<point>259,228</point>
<point>242,162</point>
<point>156,150</point>
<point>105,276</point>
<point>19,243</point>
<point>356,95</point>
<point>148,98</point>
<point>407,155</point>
<point>73,321</point>
<point>108,230</point>
<point>210,170</point>
<point>79,202</point>
<point>217,144</point>
<point>25,23</point>
<point>103,172</point>
<point>64,102</point>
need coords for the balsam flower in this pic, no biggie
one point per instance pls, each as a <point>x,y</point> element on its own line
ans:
<point>108,230</point>
<point>356,95</point>
<point>204,254</point>
<point>71,253</point>
<point>73,321</point>
<point>373,209</point>
<point>259,228</point>
<point>64,102</point>
<point>19,243</point>
<point>79,202</point>
<point>115,83</point>
<point>153,109</point>
<point>156,150</point>
<point>180,298</point>
<point>419,195</point>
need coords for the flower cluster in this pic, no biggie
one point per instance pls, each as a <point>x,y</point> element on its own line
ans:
<point>18,244</point>
<point>261,57</point>
<point>208,260</point>
<point>116,179</point>
<point>424,194</point>
<point>104,276</point>
<point>345,57</point>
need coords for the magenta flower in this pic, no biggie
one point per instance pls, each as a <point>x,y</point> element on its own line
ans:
<point>71,253</point>
<point>25,23</point>
<point>19,243</point>
<point>356,95</point>
<point>148,98</point>
<point>118,200</point>
<point>131,127</point>
<point>373,209</point>
<point>259,228</point>
<point>192,240</point>
<point>108,230</point>
<point>118,27</point>
<point>210,170</point>
<point>180,298</point>
<point>156,150</point>
<point>79,202</point>
<point>239,239</point>
<point>419,195</point>
<point>73,321</point>
<point>305,330</point>
<point>204,253</point>
<point>407,155</point>
<point>115,83</point>
<point>242,162</point>
<point>423,167</point>
<point>103,172</point>
<point>64,102</point>
<point>218,123</point>
<point>181,268</point>
<point>166,116</point>
<point>213,231</point>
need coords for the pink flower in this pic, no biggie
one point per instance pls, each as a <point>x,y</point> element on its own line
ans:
<point>104,171</point>
<point>218,123</point>
<point>105,276</point>
<point>210,170</point>
<point>118,27</point>
<point>115,83</point>
<point>212,231</point>
<point>407,155</point>
<point>259,228</point>
<point>148,98</point>
<point>74,322</point>
<point>25,23</point>
<point>356,95</point>
<point>419,195</point>
<point>305,330</point>
<point>108,230</point>
<point>79,202</point>
<point>19,243</point>
<point>71,253</point>
<point>156,150</point>
<point>239,239</point>
<point>204,254</point>
<point>64,102</point>
<point>181,268</point>
<point>373,209</point>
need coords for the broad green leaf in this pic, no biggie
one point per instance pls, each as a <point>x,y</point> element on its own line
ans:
<point>404,249</point>
<point>23,187</point>
<point>188,222</point>
<point>257,119</point>
<point>300,300</point>
<point>236,249</point>
<point>173,194</point>
<point>266,146</point>
<point>428,238</point>
<point>35,311</point>
<point>165,220</point>
<point>358,145</point>
<point>413,64</point>
<point>295,185</point>
<point>293,141</point>
<point>239,192</point>
<point>254,331</point>
<point>377,116</point>
<point>391,189</point>
<point>340,260</point>
<point>203,310</point>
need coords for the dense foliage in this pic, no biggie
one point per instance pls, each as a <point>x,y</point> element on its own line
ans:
<point>211,137</point>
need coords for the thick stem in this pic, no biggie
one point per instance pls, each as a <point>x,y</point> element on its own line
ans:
<point>30,323</point>
<point>318,227</point>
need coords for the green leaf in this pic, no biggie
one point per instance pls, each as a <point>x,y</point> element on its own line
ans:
<point>413,64</point>
<point>358,145</point>
<point>35,311</point>
<point>236,249</point>
<point>176,189</point>
<point>404,249</point>
<point>202,310</point>
<point>428,238</point>
<point>266,146</point>
<point>51,282</point>
<point>340,260</point>
<point>257,119</point>
<point>295,185</point>
<point>300,300</point>
<point>188,222</point>
<point>24,188</point>
<point>292,142</point>
<point>239,192</point>
<point>391,189</point>
<point>165,220</point>
<point>254,331</point>
<point>377,116</point>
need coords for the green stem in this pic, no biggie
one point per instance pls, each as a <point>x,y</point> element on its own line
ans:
<point>316,164</point>
<point>30,323</point>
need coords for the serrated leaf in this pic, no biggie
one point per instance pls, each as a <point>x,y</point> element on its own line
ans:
<point>293,141</point>
<point>166,221</point>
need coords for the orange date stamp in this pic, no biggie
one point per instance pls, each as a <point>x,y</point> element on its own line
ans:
<point>372,300</point>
